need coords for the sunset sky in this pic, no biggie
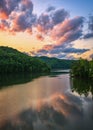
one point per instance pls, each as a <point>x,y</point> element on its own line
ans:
<point>54,28</point>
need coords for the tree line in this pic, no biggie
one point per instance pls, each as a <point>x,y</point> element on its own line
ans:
<point>82,68</point>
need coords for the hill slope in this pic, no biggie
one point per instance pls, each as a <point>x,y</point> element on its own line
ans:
<point>55,63</point>
<point>12,60</point>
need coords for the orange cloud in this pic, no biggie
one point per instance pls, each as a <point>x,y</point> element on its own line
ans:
<point>39,37</point>
<point>40,28</point>
<point>3,15</point>
<point>48,47</point>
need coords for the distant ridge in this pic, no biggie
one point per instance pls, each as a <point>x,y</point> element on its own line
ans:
<point>55,63</point>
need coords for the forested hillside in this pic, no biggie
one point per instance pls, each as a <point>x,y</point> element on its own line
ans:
<point>55,63</point>
<point>12,61</point>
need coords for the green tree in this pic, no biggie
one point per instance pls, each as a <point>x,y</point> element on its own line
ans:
<point>13,61</point>
<point>82,68</point>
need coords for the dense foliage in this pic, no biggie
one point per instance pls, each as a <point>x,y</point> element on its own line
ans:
<point>12,60</point>
<point>82,68</point>
<point>55,63</point>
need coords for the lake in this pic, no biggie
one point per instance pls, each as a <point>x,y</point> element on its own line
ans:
<point>46,102</point>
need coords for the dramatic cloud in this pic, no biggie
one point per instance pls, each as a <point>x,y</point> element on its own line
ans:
<point>27,5</point>
<point>66,50</point>
<point>63,34</point>
<point>7,6</point>
<point>20,17</point>
<point>23,22</point>
<point>68,31</point>
<point>88,35</point>
<point>61,52</point>
<point>53,24</point>
<point>50,8</point>
<point>4,25</point>
<point>47,21</point>
<point>18,14</point>
<point>43,23</point>
<point>59,16</point>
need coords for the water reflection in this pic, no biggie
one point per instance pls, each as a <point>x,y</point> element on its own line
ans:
<point>81,86</point>
<point>46,103</point>
<point>62,113</point>
<point>12,79</point>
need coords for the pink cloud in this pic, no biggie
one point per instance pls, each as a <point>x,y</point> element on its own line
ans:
<point>65,32</point>
<point>55,23</point>
<point>68,30</point>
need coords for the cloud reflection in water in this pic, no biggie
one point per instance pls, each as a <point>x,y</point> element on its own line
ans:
<point>46,103</point>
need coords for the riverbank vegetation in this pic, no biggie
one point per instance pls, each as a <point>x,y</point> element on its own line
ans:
<point>82,68</point>
<point>13,61</point>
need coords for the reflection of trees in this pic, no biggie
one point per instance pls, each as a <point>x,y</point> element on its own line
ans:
<point>6,80</point>
<point>82,86</point>
<point>20,78</point>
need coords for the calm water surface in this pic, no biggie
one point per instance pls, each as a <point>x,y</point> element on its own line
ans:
<point>53,102</point>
